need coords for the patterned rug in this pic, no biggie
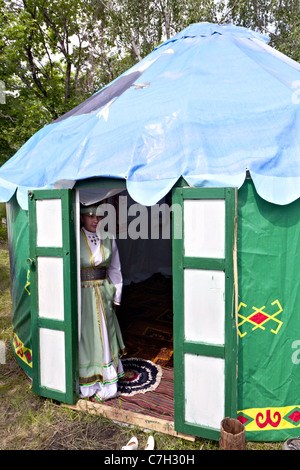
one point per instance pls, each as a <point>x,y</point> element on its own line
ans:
<point>158,403</point>
<point>141,376</point>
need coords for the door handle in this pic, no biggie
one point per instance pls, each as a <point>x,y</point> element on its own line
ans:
<point>30,262</point>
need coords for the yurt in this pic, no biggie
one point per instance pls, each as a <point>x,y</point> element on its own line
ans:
<point>207,127</point>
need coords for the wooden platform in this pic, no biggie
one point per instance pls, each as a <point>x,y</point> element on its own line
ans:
<point>130,418</point>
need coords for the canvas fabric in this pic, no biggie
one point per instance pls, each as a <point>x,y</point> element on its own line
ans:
<point>18,241</point>
<point>268,317</point>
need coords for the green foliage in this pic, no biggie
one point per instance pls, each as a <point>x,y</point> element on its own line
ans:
<point>252,14</point>
<point>280,19</point>
<point>286,37</point>
<point>39,66</point>
<point>3,229</point>
<point>54,54</point>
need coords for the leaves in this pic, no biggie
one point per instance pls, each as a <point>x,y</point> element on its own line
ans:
<point>54,54</point>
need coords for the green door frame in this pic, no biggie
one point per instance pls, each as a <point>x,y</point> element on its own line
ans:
<point>69,324</point>
<point>228,351</point>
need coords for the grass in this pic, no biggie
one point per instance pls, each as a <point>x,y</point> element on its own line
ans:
<point>30,422</point>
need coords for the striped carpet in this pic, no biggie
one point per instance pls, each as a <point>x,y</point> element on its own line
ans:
<point>158,403</point>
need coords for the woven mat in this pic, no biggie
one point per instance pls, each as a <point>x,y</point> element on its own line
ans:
<point>141,376</point>
<point>158,403</point>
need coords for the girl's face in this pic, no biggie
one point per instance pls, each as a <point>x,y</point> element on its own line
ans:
<point>90,221</point>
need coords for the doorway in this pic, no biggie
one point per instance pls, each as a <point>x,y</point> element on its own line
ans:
<point>146,312</point>
<point>146,319</point>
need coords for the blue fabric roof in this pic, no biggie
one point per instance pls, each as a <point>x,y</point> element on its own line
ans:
<point>207,104</point>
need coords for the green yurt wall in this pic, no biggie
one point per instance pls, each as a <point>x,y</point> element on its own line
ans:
<point>18,240</point>
<point>269,316</point>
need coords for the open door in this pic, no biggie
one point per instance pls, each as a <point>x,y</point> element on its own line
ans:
<point>53,279</point>
<point>204,298</point>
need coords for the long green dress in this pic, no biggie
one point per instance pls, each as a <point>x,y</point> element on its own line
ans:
<point>101,342</point>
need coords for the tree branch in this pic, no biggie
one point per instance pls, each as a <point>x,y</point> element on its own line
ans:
<point>34,69</point>
<point>135,49</point>
<point>6,116</point>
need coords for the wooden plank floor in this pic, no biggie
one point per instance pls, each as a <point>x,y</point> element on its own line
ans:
<point>146,422</point>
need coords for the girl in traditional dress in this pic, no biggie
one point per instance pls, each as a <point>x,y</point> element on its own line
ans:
<point>101,344</point>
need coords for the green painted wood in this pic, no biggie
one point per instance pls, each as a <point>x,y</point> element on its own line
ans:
<point>49,251</point>
<point>70,323</point>
<point>231,349</point>
<point>228,351</point>
<point>51,324</point>
<point>204,193</point>
<point>204,263</point>
<point>204,349</point>
<point>178,310</point>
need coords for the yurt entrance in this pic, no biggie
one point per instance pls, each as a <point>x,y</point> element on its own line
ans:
<point>184,285</point>
<point>144,240</point>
